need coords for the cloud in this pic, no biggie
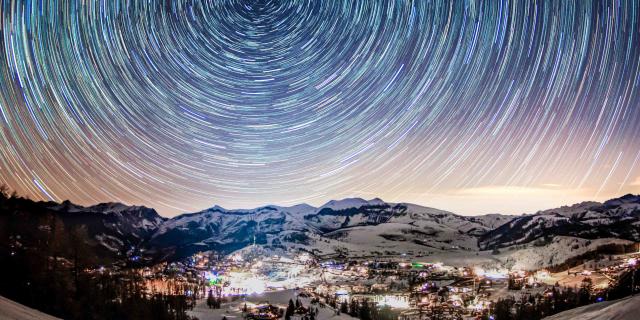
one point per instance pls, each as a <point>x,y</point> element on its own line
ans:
<point>635,183</point>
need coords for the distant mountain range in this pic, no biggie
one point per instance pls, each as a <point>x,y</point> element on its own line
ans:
<point>351,226</point>
<point>616,218</point>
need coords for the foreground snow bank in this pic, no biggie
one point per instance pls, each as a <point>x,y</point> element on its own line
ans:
<point>623,309</point>
<point>10,310</point>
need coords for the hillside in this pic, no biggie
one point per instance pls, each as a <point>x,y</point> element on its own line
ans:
<point>616,218</point>
<point>114,230</point>
<point>351,226</point>
<point>623,309</point>
<point>10,310</point>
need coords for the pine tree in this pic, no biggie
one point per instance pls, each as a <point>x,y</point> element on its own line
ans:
<point>344,308</point>
<point>210,300</point>
<point>584,294</point>
<point>365,311</point>
<point>290,310</point>
<point>353,308</point>
<point>502,309</point>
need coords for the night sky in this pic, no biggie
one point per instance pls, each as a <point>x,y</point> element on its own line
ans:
<point>468,106</point>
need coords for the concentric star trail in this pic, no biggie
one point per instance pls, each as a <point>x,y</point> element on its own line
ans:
<point>182,104</point>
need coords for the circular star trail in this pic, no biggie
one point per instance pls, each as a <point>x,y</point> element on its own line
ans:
<point>181,104</point>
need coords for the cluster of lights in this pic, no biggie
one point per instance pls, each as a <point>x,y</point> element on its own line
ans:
<point>491,274</point>
<point>342,295</point>
<point>394,301</point>
<point>245,283</point>
<point>214,278</point>
<point>480,305</point>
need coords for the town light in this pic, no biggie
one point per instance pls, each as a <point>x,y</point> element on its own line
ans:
<point>495,274</point>
<point>254,285</point>
<point>394,301</point>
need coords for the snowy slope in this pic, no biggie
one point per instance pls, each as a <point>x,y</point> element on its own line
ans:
<point>115,226</point>
<point>351,203</point>
<point>616,218</point>
<point>10,310</point>
<point>233,310</point>
<point>623,309</point>
<point>555,252</point>
<point>362,227</point>
<point>352,225</point>
<point>409,229</point>
<point>227,230</point>
<point>492,220</point>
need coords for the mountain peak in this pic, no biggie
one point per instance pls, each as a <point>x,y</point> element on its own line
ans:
<point>626,200</point>
<point>298,208</point>
<point>110,207</point>
<point>303,207</point>
<point>630,198</point>
<point>570,210</point>
<point>351,203</point>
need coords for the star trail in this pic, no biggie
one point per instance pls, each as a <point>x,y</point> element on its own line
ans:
<point>180,105</point>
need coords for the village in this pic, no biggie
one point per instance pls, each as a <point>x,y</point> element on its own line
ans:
<point>251,285</point>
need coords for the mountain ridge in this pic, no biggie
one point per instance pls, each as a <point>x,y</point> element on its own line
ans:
<point>355,225</point>
<point>616,218</point>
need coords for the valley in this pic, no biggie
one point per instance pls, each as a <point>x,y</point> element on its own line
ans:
<point>401,259</point>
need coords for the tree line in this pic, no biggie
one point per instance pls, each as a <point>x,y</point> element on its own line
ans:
<point>51,266</point>
<point>555,300</point>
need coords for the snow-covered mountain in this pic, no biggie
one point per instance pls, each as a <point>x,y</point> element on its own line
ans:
<point>227,230</point>
<point>111,230</point>
<point>351,203</point>
<point>115,226</point>
<point>354,225</point>
<point>555,251</point>
<point>616,218</point>
<point>358,227</point>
